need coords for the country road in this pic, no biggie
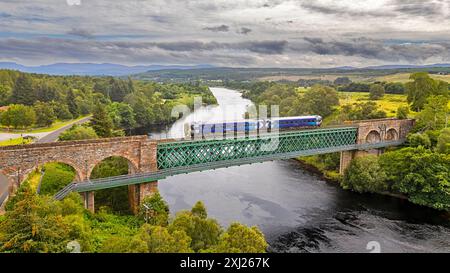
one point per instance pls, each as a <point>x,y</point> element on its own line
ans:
<point>42,138</point>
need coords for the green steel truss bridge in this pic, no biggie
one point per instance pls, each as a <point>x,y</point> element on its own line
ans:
<point>182,157</point>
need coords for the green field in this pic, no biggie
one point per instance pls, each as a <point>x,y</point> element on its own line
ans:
<point>389,103</point>
<point>15,141</point>
<point>404,77</point>
<point>55,126</point>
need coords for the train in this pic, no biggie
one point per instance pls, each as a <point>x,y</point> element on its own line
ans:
<point>251,126</point>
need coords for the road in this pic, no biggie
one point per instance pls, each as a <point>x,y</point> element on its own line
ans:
<point>53,136</point>
<point>42,138</point>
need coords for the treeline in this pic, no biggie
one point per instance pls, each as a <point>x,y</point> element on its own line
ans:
<point>39,100</point>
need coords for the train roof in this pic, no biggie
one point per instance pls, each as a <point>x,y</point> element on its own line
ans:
<point>256,120</point>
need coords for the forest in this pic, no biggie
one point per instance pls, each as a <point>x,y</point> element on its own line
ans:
<point>35,101</point>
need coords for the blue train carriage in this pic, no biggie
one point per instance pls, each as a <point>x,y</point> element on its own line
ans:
<point>294,122</point>
<point>247,126</point>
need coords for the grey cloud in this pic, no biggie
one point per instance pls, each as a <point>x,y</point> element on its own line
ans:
<point>221,28</point>
<point>373,49</point>
<point>419,7</point>
<point>335,10</point>
<point>81,33</point>
<point>245,30</point>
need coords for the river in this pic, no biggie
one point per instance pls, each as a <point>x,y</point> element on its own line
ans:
<point>297,210</point>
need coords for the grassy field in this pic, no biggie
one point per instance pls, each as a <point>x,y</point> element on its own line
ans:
<point>404,77</point>
<point>55,126</point>
<point>389,103</point>
<point>16,141</point>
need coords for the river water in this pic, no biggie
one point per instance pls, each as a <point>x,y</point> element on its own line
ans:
<point>297,210</point>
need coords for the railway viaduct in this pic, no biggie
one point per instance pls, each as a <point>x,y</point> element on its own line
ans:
<point>151,160</point>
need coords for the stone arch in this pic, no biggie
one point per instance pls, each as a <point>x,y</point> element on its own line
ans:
<point>373,137</point>
<point>132,164</point>
<point>391,134</point>
<point>79,173</point>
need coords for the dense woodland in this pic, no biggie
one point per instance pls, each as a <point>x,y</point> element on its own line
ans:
<point>39,100</point>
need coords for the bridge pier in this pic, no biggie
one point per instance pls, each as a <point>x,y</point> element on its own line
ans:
<point>89,200</point>
<point>347,156</point>
<point>137,193</point>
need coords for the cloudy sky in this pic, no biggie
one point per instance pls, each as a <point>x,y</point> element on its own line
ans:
<point>239,33</point>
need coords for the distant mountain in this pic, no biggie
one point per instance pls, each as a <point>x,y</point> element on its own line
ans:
<point>399,66</point>
<point>92,69</point>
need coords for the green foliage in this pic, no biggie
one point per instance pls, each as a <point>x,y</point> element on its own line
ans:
<point>424,176</point>
<point>23,91</point>
<point>35,225</point>
<point>18,116</point>
<point>78,132</point>
<point>45,116</point>
<point>376,91</point>
<point>402,112</point>
<point>394,88</point>
<point>199,210</point>
<point>122,115</point>
<point>204,232</point>
<point>364,174</point>
<point>361,111</point>
<point>71,104</point>
<point>421,88</point>
<point>342,81</point>
<point>419,139</point>
<point>241,239</point>
<point>443,142</point>
<point>121,244</point>
<point>115,199</point>
<point>162,240</point>
<point>435,114</point>
<point>56,177</point>
<point>154,210</point>
<point>101,122</point>
<point>319,100</point>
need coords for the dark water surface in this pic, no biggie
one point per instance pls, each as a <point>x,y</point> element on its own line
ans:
<point>297,210</point>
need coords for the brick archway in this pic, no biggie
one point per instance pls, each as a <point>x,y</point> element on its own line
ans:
<point>133,166</point>
<point>391,134</point>
<point>373,137</point>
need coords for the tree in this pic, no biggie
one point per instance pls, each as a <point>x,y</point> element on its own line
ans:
<point>443,142</point>
<point>419,139</point>
<point>23,92</point>
<point>101,122</point>
<point>319,100</point>
<point>204,232</point>
<point>71,104</point>
<point>61,110</point>
<point>162,240</point>
<point>122,115</point>
<point>402,112</point>
<point>154,210</point>
<point>424,176</point>
<point>5,94</point>
<point>45,116</point>
<point>364,174</point>
<point>361,111</point>
<point>395,88</point>
<point>342,81</point>
<point>199,210</point>
<point>18,115</point>
<point>241,239</point>
<point>434,115</point>
<point>421,88</point>
<point>34,225</point>
<point>124,244</point>
<point>78,132</point>
<point>376,91</point>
